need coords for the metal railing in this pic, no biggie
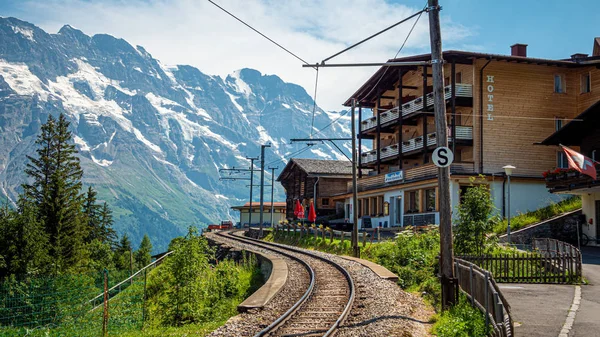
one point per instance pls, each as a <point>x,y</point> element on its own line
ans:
<point>462,90</point>
<point>462,133</point>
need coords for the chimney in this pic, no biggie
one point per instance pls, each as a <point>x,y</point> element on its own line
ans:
<point>518,49</point>
<point>578,56</point>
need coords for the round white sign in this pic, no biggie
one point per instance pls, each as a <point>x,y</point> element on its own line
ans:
<point>442,156</point>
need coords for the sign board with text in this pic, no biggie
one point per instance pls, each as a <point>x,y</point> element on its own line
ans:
<point>394,176</point>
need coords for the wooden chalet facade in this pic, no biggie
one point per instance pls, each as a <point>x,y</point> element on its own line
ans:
<point>303,179</point>
<point>498,106</point>
<point>583,133</point>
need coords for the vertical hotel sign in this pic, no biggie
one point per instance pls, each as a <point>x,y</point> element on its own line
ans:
<point>490,97</point>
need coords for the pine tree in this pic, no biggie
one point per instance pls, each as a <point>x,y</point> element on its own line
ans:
<point>107,233</point>
<point>123,253</point>
<point>56,186</point>
<point>31,241</point>
<point>142,255</point>
<point>91,212</point>
<point>7,242</point>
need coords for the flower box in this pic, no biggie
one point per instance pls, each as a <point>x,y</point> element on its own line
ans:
<point>419,139</point>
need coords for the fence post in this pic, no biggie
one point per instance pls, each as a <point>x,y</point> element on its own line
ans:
<point>378,234</point>
<point>499,314</point>
<point>364,239</point>
<point>105,312</point>
<point>471,285</point>
<point>144,303</point>
<point>487,296</point>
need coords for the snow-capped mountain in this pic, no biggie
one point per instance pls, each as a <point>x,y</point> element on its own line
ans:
<point>151,137</point>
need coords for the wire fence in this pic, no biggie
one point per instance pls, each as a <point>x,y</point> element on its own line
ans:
<point>99,304</point>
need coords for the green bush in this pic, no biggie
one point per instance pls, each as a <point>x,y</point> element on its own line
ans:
<point>461,321</point>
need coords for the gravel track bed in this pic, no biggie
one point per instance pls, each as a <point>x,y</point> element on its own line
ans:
<point>381,308</point>
<point>251,322</point>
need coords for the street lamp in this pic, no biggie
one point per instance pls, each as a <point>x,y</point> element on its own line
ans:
<point>508,169</point>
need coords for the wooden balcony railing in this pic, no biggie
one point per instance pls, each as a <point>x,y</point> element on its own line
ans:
<point>411,174</point>
<point>462,133</point>
<point>462,90</point>
<point>571,181</point>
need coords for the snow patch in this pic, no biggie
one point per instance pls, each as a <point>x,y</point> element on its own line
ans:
<point>21,80</point>
<point>102,162</point>
<point>138,69</point>
<point>320,153</point>
<point>167,71</point>
<point>189,128</point>
<point>287,106</point>
<point>160,160</point>
<point>263,137</point>
<point>26,32</point>
<point>232,98</point>
<point>239,84</point>
<point>83,146</point>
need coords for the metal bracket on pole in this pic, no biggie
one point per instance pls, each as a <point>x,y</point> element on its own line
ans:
<point>436,61</point>
<point>433,8</point>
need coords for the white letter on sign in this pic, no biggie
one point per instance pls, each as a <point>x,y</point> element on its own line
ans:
<point>490,79</point>
<point>490,88</point>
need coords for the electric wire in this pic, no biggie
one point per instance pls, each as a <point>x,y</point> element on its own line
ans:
<point>312,124</point>
<point>261,34</point>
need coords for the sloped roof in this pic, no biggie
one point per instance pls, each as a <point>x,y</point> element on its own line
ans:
<point>572,134</point>
<point>265,205</point>
<point>317,166</point>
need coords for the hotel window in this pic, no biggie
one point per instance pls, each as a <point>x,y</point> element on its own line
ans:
<point>412,202</point>
<point>366,206</point>
<point>325,201</point>
<point>586,83</point>
<point>459,77</point>
<point>561,160</point>
<point>430,200</point>
<point>559,83</point>
<point>373,206</point>
<point>380,207</point>
<point>558,123</point>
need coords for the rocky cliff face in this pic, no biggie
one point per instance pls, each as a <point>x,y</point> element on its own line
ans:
<point>151,137</point>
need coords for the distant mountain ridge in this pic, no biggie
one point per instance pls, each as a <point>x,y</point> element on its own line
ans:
<point>151,137</point>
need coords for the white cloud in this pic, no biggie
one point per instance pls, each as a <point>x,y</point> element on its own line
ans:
<point>197,33</point>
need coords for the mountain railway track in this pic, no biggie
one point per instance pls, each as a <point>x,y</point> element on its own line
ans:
<point>326,302</point>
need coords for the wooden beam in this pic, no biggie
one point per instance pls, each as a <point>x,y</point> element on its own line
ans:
<point>410,87</point>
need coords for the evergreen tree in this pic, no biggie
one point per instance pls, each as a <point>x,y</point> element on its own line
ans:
<point>123,254</point>
<point>7,242</point>
<point>31,241</point>
<point>107,233</point>
<point>142,255</point>
<point>56,186</point>
<point>91,212</point>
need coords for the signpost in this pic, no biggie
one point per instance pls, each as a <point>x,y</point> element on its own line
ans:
<point>442,156</point>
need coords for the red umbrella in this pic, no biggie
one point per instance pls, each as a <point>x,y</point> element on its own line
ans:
<point>312,215</point>
<point>298,210</point>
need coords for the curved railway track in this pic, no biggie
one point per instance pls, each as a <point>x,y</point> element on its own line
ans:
<point>326,302</point>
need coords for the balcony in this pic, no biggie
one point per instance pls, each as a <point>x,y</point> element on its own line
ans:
<point>462,133</point>
<point>568,180</point>
<point>462,90</point>
<point>428,171</point>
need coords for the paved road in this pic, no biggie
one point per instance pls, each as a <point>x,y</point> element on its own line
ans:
<point>541,309</point>
<point>538,309</point>
<point>587,321</point>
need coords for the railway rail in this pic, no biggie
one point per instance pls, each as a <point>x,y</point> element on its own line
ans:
<point>325,304</point>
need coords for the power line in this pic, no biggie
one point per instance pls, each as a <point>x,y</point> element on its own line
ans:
<point>261,34</point>
<point>374,35</point>
<point>290,155</point>
<point>312,125</point>
<point>398,52</point>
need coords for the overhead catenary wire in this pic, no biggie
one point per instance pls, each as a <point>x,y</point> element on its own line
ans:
<point>258,32</point>
<point>312,124</point>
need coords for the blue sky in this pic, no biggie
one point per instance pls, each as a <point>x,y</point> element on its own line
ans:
<point>195,32</point>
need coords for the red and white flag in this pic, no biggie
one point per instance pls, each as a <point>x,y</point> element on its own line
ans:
<point>580,162</point>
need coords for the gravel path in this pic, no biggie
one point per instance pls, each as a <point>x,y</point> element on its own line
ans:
<point>251,322</point>
<point>380,308</point>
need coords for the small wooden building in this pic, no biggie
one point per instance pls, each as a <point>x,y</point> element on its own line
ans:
<point>307,180</point>
<point>278,212</point>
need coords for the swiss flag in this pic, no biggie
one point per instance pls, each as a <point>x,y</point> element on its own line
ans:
<point>580,162</point>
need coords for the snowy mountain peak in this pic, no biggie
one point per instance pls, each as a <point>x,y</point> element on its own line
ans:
<point>146,132</point>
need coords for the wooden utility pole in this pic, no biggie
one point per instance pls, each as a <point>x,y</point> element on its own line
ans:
<point>272,190</point>
<point>355,248</point>
<point>446,252</point>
